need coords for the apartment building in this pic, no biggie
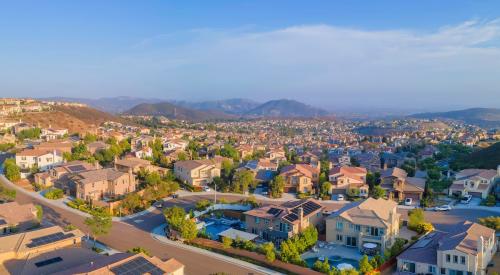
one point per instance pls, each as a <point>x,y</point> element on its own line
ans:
<point>464,250</point>
<point>373,221</point>
<point>277,223</point>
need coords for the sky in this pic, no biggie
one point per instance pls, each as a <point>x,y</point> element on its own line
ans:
<point>338,55</point>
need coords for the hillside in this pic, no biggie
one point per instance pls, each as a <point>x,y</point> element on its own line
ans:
<point>75,119</point>
<point>237,106</point>
<point>285,108</point>
<point>113,105</point>
<point>172,111</point>
<point>487,158</point>
<point>483,117</point>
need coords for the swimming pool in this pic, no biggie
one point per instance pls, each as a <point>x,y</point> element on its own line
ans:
<point>214,229</point>
<point>333,261</point>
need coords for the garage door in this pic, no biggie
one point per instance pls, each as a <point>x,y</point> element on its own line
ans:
<point>475,194</point>
<point>414,196</point>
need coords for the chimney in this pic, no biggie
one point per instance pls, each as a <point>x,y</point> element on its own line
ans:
<point>480,245</point>
<point>300,213</point>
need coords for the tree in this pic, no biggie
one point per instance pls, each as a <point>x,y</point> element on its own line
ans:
<point>243,179</point>
<point>277,187</point>
<point>188,230</point>
<point>138,250</point>
<point>202,204</point>
<point>11,170</point>
<point>227,242</point>
<point>491,222</point>
<point>322,266</point>
<point>378,192</point>
<point>132,202</point>
<point>99,223</point>
<point>268,250</point>
<point>364,265</point>
<point>39,213</point>
<point>415,218</point>
<point>175,216</point>
<point>325,189</point>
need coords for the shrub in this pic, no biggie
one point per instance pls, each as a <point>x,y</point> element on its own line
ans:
<point>138,249</point>
<point>202,204</point>
<point>491,222</point>
<point>54,194</point>
<point>227,242</point>
<point>425,227</point>
<point>268,250</point>
<point>364,265</point>
<point>11,170</point>
<point>489,201</point>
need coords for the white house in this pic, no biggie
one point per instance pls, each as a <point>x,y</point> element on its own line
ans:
<point>42,159</point>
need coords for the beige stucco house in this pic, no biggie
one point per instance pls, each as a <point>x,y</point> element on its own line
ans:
<point>475,182</point>
<point>196,172</point>
<point>465,250</point>
<point>97,184</point>
<point>370,221</point>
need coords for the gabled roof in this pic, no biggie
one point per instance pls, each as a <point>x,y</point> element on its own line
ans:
<point>373,212</point>
<point>464,237</point>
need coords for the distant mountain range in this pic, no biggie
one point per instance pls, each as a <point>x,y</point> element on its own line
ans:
<point>483,117</point>
<point>172,111</point>
<point>238,106</point>
<point>285,108</point>
<point>228,109</point>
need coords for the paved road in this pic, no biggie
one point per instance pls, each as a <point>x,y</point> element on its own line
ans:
<point>127,235</point>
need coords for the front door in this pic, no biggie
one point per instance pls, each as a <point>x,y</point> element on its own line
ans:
<point>351,241</point>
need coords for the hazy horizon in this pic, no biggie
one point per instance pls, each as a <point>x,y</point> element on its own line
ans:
<point>356,56</point>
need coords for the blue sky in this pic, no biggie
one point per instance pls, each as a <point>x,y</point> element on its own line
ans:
<point>334,54</point>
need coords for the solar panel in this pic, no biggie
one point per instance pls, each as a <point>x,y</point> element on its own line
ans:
<point>76,168</point>
<point>137,266</point>
<point>274,211</point>
<point>422,243</point>
<point>35,242</point>
<point>291,217</point>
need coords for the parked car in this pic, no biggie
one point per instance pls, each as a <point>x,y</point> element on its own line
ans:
<point>466,199</point>
<point>159,204</point>
<point>340,197</point>
<point>442,208</point>
<point>206,189</point>
<point>408,201</point>
<point>175,196</point>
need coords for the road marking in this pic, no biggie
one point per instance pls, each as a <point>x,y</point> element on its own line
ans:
<point>138,221</point>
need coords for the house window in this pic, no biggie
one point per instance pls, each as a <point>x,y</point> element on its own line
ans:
<point>443,270</point>
<point>339,237</point>
<point>357,228</point>
<point>340,226</point>
<point>432,269</point>
<point>462,259</point>
<point>257,220</point>
<point>408,267</point>
<point>448,258</point>
<point>374,231</point>
<point>455,258</point>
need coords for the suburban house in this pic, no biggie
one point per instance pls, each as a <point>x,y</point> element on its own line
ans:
<point>276,155</point>
<point>340,160</point>
<point>465,250</point>
<point>277,223</point>
<point>61,146</point>
<point>300,177</point>
<point>144,152</point>
<point>175,144</point>
<point>38,158</point>
<point>345,178</point>
<point>310,158</point>
<point>97,146</point>
<point>127,263</point>
<point>137,164</point>
<point>476,182</point>
<point>399,186</point>
<point>97,184</point>
<point>196,172</point>
<point>373,221</point>
<point>244,150</point>
<point>53,133</point>
<point>59,176</point>
<point>25,245</point>
<point>262,164</point>
<point>16,217</point>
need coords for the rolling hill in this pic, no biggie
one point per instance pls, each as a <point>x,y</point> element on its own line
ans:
<point>487,158</point>
<point>285,108</point>
<point>172,111</point>
<point>483,117</point>
<point>237,106</point>
<point>75,119</point>
<point>113,105</point>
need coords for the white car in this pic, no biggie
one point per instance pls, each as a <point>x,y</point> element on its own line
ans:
<point>442,208</point>
<point>408,201</point>
<point>206,189</point>
<point>466,199</point>
<point>340,197</point>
